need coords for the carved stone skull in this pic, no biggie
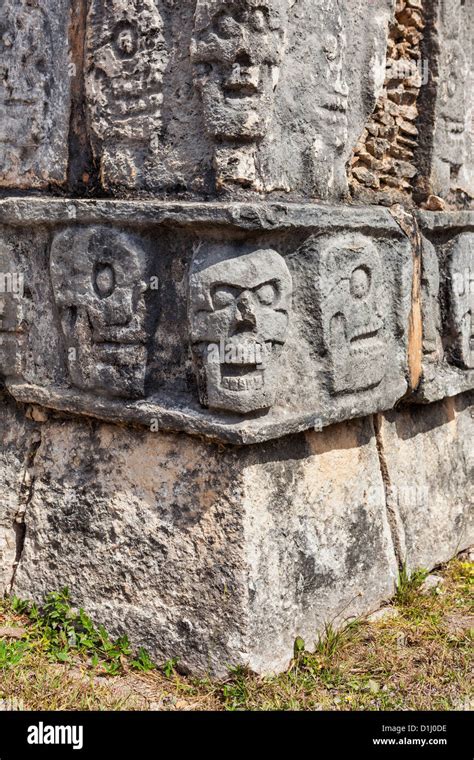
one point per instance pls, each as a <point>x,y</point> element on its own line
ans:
<point>453,103</point>
<point>461,300</point>
<point>351,302</point>
<point>239,309</point>
<point>98,278</point>
<point>236,50</point>
<point>452,159</point>
<point>124,80</point>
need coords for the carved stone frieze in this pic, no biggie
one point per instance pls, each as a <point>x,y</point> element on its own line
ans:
<point>447,301</point>
<point>238,322</point>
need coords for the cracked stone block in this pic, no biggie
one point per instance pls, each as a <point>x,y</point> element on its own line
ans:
<point>242,323</point>
<point>430,467</point>
<point>35,94</point>
<point>17,435</point>
<point>213,95</point>
<point>447,305</point>
<point>216,555</point>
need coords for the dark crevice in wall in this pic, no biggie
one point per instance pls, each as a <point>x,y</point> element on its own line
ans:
<point>430,51</point>
<point>408,223</point>
<point>24,498</point>
<point>83,174</point>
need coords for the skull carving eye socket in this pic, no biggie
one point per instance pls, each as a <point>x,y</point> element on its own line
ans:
<point>125,40</point>
<point>225,25</point>
<point>203,70</point>
<point>223,296</point>
<point>267,294</point>
<point>360,282</point>
<point>104,280</point>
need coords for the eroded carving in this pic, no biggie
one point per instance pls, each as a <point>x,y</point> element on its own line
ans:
<point>431,306</point>
<point>329,150</point>
<point>237,50</point>
<point>99,284</point>
<point>239,310</point>
<point>127,59</point>
<point>267,304</point>
<point>453,168</point>
<point>34,98</point>
<point>13,322</point>
<point>461,300</point>
<point>447,306</point>
<point>352,299</point>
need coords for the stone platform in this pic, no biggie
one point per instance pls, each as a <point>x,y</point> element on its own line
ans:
<point>236,299</point>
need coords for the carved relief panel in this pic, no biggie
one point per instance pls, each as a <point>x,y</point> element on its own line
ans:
<point>127,59</point>
<point>239,309</point>
<point>99,284</point>
<point>237,50</point>
<point>350,287</point>
<point>210,318</point>
<point>35,78</point>
<point>13,316</point>
<point>460,299</point>
<point>448,301</point>
<point>231,96</point>
<point>453,149</point>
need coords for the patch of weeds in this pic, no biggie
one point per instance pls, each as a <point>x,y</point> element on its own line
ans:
<point>143,661</point>
<point>67,634</point>
<point>418,660</point>
<point>11,653</point>
<point>169,668</point>
<point>333,640</point>
<point>408,585</point>
<point>236,690</point>
<point>19,606</point>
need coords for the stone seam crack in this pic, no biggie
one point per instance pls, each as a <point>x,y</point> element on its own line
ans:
<point>25,497</point>
<point>393,515</point>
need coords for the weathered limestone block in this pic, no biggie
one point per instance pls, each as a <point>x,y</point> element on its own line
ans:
<point>18,441</point>
<point>448,305</point>
<point>429,461</point>
<point>35,76</point>
<point>238,96</point>
<point>217,555</point>
<point>241,323</point>
<point>447,146</point>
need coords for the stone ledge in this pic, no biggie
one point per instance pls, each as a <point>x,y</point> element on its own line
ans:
<point>328,292</point>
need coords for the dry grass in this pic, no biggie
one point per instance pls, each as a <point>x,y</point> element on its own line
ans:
<point>419,660</point>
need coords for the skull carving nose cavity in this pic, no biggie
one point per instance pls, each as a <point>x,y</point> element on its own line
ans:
<point>104,280</point>
<point>243,61</point>
<point>245,316</point>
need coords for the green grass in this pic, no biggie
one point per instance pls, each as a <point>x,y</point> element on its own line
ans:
<point>419,660</point>
<point>408,586</point>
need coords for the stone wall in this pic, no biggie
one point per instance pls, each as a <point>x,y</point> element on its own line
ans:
<point>235,399</point>
<point>384,158</point>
